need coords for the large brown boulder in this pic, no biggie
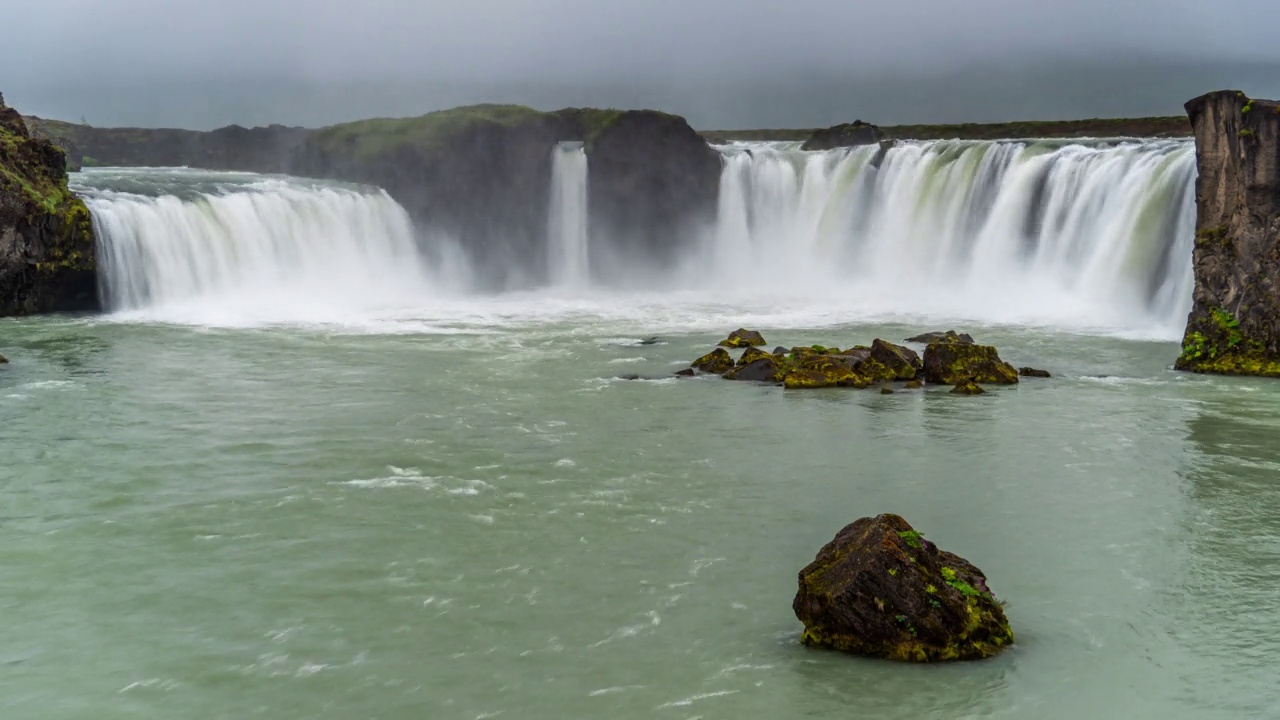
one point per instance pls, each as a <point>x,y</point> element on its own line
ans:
<point>953,363</point>
<point>879,589</point>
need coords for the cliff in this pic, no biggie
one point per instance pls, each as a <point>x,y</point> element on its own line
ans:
<point>1234,326</point>
<point>267,150</point>
<point>1094,128</point>
<point>46,236</point>
<point>481,175</point>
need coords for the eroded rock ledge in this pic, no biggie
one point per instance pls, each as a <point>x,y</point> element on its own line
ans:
<point>46,236</point>
<point>1234,326</point>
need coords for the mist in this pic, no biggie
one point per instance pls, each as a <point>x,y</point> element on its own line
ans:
<point>722,64</point>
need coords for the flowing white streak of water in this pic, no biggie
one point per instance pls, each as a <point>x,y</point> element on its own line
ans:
<point>567,241</point>
<point>274,249</point>
<point>1094,235</point>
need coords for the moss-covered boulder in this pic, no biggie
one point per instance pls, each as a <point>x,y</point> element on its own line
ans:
<point>741,338</point>
<point>751,355</point>
<point>821,370</point>
<point>46,235</point>
<point>902,362</point>
<point>968,387</point>
<point>880,590</point>
<point>940,337</point>
<point>950,363</point>
<point>1032,372</point>
<point>858,352</point>
<point>718,361</point>
<point>764,369</point>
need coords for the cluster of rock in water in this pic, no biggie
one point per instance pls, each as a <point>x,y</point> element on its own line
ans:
<point>950,358</point>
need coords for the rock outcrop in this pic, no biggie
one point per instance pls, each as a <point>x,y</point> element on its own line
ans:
<point>845,135</point>
<point>948,336</point>
<point>880,590</point>
<point>1234,325</point>
<point>653,183</point>
<point>743,338</point>
<point>952,363</point>
<point>46,235</point>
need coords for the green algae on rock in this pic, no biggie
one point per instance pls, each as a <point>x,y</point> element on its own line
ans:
<point>902,362</point>
<point>718,361</point>
<point>741,338</point>
<point>821,370</point>
<point>968,387</point>
<point>951,363</point>
<point>880,590</point>
<point>751,355</point>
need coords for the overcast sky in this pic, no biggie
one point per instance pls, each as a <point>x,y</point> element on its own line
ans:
<point>722,63</point>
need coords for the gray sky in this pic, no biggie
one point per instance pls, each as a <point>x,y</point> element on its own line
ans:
<point>722,63</point>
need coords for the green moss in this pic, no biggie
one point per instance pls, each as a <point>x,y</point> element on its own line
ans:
<point>1244,133</point>
<point>1217,346</point>
<point>1247,107</point>
<point>1219,236</point>
<point>913,539</point>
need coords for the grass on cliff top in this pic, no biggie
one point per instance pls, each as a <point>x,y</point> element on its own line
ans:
<point>373,138</point>
<point>1176,126</point>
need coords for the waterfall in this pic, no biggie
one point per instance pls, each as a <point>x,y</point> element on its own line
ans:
<point>568,259</point>
<point>1096,232</point>
<point>208,245</point>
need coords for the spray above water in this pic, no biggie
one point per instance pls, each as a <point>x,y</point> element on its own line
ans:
<point>1092,235</point>
<point>211,247</point>
<point>1056,232</point>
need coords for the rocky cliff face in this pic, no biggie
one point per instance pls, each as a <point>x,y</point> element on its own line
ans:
<point>481,175</point>
<point>653,183</point>
<point>46,237</point>
<point>1234,326</point>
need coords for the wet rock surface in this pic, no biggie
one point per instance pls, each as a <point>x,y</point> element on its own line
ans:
<point>881,590</point>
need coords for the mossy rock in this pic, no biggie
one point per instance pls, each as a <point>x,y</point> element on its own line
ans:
<point>968,387</point>
<point>1215,344</point>
<point>858,352</point>
<point>951,363</point>
<point>817,370</point>
<point>880,590</point>
<point>913,385</point>
<point>886,391</point>
<point>741,338</point>
<point>751,355</point>
<point>941,337</point>
<point>902,362</point>
<point>764,369</point>
<point>718,361</point>
<point>1032,372</point>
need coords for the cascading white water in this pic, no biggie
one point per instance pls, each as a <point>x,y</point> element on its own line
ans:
<point>567,242</point>
<point>270,249</point>
<point>1094,233</point>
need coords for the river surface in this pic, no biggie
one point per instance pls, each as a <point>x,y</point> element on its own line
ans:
<point>473,517</point>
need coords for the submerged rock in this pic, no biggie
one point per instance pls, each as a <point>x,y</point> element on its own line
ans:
<point>968,387</point>
<point>1032,372</point>
<point>717,361</point>
<point>879,589</point>
<point>941,337</point>
<point>913,385</point>
<point>687,372</point>
<point>950,363</point>
<point>741,338</point>
<point>765,369</point>
<point>903,362</point>
<point>650,341</point>
<point>886,391</point>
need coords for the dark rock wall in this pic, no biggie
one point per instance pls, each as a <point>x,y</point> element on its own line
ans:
<point>1234,326</point>
<point>46,236</point>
